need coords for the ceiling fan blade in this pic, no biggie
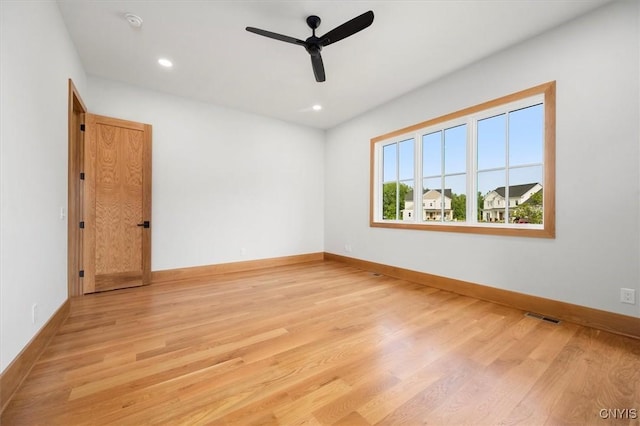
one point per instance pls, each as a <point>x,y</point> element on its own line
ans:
<point>318,67</point>
<point>351,27</point>
<point>275,36</point>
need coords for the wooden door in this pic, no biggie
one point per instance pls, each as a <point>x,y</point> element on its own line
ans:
<point>116,204</point>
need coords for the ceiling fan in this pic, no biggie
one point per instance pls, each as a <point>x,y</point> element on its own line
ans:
<point>314,44</point>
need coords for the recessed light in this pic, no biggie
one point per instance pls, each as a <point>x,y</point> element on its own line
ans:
<point>316,107</point>
<point>165,62</point>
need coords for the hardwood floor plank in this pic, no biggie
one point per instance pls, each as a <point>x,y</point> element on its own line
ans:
<point>590,390</point>
<point>385,403</point>
<point>340,407</point>
<point>110,379</point>
<point>299,410</point>
<point>455,372</point>
<point>352,419</point>
<point>537,405</point>
<point>319,343</point>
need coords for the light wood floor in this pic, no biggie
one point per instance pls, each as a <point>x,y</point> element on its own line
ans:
<point>321,343</point>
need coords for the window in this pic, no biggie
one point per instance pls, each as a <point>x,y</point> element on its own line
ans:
<point>397,178</point>
<point>486,169</point>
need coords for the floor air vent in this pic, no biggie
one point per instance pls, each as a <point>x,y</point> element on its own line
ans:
<point>542,317</point>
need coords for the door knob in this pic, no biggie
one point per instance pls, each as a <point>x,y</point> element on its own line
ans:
<point>144,224</point>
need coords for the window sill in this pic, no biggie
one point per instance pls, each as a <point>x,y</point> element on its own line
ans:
<point>530,231</point>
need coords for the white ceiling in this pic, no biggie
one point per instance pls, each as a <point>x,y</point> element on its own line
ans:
<point>410,43</point>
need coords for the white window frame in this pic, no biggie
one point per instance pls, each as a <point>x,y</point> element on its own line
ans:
<point>395,141</point>
<point>543,94</point>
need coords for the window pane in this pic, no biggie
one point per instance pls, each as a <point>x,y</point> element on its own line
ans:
<point>525,195</point>
<point>431,183</point>
<point>455,198</point>
<point>525,175</point>
<point>389,197</point>
<point>526,129</point>
<point>432,198</point>
<point>455,149</point>
<point>394,195</point>
<point>432,154</point>
<point>491,142</point>
<point>406,159</point>
<point>389,163</point>
<point>491,186</point>
<point>406,200</point>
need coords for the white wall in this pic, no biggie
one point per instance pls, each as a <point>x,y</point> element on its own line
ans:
<point>37,60</point>
<point>223,180</point>
<point>594,60</point>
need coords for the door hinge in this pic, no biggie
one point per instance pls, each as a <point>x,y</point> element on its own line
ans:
<point>81,274</point>
<point>82,225</point>
<point>82,127</point>
<point>82,176</point>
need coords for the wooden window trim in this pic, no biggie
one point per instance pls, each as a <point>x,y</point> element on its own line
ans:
<point>549,195</point>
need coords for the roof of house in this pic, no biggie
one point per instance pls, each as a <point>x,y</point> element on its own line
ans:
<point>516,190</point>
<point>409,195</point>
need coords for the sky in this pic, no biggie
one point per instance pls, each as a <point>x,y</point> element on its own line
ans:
<point>523,129</point>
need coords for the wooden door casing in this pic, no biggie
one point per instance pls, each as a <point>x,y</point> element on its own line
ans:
<point>76,111</point>
<point>117,198</point>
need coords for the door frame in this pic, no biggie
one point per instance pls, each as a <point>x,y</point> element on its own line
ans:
<point>77,109</point>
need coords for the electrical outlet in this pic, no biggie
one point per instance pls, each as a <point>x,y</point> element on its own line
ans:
<point>347,248</point>
<point>628,295</point>
<point>34,313</point>
<point>243,251</point>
